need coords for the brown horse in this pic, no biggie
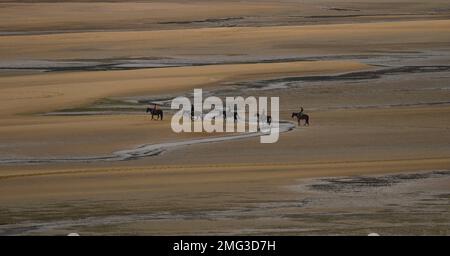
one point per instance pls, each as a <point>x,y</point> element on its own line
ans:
<point>301,117</point>
<point>155,112</point>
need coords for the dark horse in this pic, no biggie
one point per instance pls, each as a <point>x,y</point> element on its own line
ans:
<point>301,117</point>
<point>269,118</point>
<point>155,112</point>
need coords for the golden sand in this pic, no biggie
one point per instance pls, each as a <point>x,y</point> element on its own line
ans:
<point>367,126</point>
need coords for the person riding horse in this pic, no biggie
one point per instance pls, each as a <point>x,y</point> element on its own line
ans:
<point>268,118</point>
<point>155,111</point>
<point>301,112</point>
<point>301,116</point>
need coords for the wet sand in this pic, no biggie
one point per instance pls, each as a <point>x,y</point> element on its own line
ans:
<point>401,204</point>
<point>41,17</point>
<point>212,45</point>
<point>373,77</point>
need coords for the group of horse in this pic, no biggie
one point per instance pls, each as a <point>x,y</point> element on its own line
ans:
<point>299,115</point>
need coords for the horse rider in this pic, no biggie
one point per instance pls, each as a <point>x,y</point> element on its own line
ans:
<point>300,114</point>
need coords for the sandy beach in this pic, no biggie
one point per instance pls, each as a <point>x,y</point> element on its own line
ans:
<point>373,77</point>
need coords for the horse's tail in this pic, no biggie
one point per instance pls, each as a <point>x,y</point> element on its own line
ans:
<point>307,119</point>
<point>148,110</point>
<point>162,113</point>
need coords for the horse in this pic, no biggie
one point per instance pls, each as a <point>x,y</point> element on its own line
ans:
<point>268,118</point>
<point>155,112</point>
<point>301,117</point>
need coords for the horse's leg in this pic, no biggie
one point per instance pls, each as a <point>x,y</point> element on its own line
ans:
<point>161,116</point>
